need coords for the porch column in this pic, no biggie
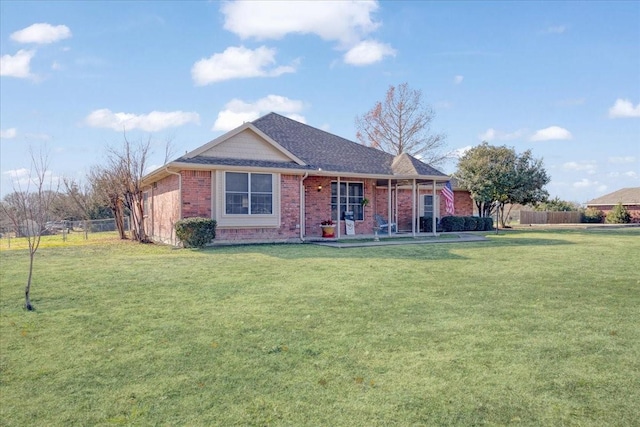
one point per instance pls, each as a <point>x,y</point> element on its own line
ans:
<point>433,216</point>
<point>390,219</point>
<point>413,207</point>
<point>339,208</point>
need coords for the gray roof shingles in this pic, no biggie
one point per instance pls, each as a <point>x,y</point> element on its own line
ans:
<point>322,150</point>
<point>626,196</point>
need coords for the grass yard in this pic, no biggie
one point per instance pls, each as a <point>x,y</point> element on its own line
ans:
<point>530,328</point>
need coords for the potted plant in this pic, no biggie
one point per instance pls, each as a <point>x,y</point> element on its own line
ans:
<point>364,202</point>
<point>328,228</point>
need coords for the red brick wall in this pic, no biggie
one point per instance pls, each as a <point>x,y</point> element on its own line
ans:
<point>634,211</point>
<point>196,201</point>
<point>164,206</point>
<point>196,194</point>
<point>289,218</point>
<point>462,203</point>
<point>318,205</point>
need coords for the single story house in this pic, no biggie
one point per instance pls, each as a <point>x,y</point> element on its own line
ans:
<point>276,179</point>
<point>628,197</point>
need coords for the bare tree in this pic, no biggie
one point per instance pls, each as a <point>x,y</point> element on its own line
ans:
<point>105,186</point>
<point>28,209</point>
<point>128,165</point>
<point>401,124</point>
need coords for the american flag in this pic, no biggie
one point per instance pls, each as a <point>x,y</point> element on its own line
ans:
<point>447,193</point>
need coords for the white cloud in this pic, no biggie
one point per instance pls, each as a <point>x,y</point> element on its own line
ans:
<point>344,21</point>
<point>489,135</point>
<point>631,174</point>
<point>237,112</point>
<point>17,173</point>
<point>493,134</point>
<point>368,52</point>
<point>551,133</point>
<point>589,166</point>
<point>8,133</point>
<point>586,183</point>
<point>555,29</point>
<point>623,108</point>
<point>457,80</point>
<point>154,121</point>
<point>348,22</point>
<point>459,152</point>
<point>17,65</point>
<point>625,159</point>
<point>236,63</point>
<point>42,34</point>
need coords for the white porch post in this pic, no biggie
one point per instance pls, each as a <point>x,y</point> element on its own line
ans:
<point>413,208</point>
<point>433,216</point>
<point>389,216</point>
<point>339,208</point>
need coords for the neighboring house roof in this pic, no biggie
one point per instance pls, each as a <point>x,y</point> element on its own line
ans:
<point>305,148</point>
<point>626,196</point>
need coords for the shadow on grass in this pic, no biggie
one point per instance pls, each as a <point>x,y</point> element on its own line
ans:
<point>424,251</point>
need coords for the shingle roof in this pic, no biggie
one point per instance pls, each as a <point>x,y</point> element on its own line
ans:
<point>321,150</point>
<point>626,196</point>
<point>202,160</point>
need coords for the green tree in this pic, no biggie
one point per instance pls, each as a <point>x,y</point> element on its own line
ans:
<point>497,176</point>
<point>619,215</point>
<point>557,205</point>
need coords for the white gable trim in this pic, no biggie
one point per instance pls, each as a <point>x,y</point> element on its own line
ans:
<point>236,131</point>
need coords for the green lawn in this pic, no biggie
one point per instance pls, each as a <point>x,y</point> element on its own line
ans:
<point>530,328</point>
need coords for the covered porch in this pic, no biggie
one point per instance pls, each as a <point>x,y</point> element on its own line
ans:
<point>400,201</point>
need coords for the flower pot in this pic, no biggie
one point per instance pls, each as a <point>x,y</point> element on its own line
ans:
<point>328,230</point>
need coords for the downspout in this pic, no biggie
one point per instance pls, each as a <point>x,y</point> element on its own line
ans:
<point>173,239</point>
<point>302,221</point>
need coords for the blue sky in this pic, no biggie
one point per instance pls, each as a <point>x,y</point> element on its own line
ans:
<point>559,78</point>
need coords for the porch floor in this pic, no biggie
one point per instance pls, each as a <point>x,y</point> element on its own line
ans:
<point>363,240</point>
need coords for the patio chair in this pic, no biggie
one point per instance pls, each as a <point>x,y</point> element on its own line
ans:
<point>383,224</point>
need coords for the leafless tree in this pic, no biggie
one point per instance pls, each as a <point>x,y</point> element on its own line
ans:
<point>28,209</point>
<point>128,165</point>
<point>401,124</point>
<point>105,186</point>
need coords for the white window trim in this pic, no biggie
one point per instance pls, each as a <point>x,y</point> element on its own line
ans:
<point>245,220</point>
<point>364,196</point>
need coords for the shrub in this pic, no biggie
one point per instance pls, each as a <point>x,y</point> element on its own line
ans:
<point>470,223</point>
<point>485,223</point>
<point>453,223</point>
<point>426,224</point>
<point>619,215</point>
<point>196,232</point>
<point>592,215</point>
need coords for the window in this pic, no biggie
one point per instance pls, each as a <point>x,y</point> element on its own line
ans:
<point>248,193</point>
<point>428,205</point>
<point>145,203</point>
<point>351,195</point>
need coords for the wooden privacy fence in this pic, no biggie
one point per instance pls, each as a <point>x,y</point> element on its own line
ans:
<point>545,217</point>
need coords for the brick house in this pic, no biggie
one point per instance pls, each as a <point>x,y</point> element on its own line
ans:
<point>628,197</point>
<point>276,179</point>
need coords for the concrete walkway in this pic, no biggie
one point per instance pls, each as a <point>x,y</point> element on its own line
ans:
<point>401,240</point>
